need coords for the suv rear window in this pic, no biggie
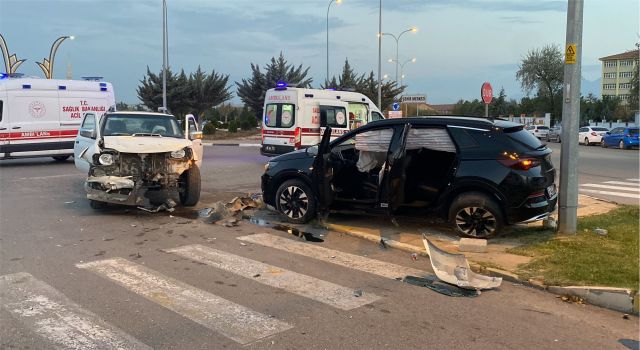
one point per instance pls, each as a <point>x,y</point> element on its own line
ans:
<point>280,115</point>
<point>523,140</point>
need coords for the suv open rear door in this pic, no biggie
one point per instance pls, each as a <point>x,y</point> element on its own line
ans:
<point>391,194</point>
<point>322,173</point>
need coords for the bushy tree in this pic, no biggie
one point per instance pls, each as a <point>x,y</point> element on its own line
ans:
<point>635,88</point>
<point>366,85</point>
<point>194,93</point>
<point>209,129</point>
<point>233,126</point>
<point>252,90</point>
<point>542,70</point>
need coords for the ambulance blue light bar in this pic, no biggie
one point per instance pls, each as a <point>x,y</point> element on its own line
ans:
<point>281,85</point>
<point>4,76</point>
<point>62,87</point>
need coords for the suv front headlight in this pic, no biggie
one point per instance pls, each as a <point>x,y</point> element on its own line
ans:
<point>106,159</point>
<point>181,153</point>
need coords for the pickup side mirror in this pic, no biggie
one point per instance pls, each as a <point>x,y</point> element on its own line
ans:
<point>90,133</point>
<point>195,135</point>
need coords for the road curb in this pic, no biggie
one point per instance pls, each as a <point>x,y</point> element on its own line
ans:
<point>617,299</point>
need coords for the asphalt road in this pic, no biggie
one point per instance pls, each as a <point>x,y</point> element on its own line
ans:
<point>77,278</point>
<point>610,173</point>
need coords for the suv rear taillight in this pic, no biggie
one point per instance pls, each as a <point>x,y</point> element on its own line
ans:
<point>514,162</point>
<point>297,136</point>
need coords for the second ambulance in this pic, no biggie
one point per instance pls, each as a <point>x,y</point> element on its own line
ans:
<point>295,118</point>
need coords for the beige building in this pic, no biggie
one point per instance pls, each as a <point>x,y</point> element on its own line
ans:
<point>617,71</point>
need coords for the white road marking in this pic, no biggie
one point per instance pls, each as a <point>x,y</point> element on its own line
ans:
<point>633,180</point>
<point>293,282</point>
<point>49,177</point>
<point>59,320</point>
<point>609,193</point>
<point>619,188</point>
<point>230,319</point>
<point>337,257</point>
<point>622,183</point>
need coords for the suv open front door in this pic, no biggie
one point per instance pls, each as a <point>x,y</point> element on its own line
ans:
<point>322,174</point>
<point>391,194</point>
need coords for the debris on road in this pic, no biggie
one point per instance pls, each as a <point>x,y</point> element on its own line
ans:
<point>219,212</point>
<point>601,231</point>
<point>256,275</point>
<point>571,299</point>
<point>455,269</point>
<point>230,222</point>
<point>69,202</point>
<point>414,256</point>
<point>357,293</point>
<point>383,244</point>
<point>436,285</point>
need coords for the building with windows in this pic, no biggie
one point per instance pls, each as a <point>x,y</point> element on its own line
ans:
<point>617,71</point>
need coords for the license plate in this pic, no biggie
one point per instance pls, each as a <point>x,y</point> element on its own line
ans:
<point>551,191</point>
<point>269,148</point>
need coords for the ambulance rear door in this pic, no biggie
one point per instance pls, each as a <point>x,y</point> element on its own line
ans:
<point>279,122</point>
<point>5,125</point>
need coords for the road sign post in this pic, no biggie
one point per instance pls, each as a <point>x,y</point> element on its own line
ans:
<point>486,93</point>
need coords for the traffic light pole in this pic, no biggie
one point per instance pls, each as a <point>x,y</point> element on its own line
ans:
<point>568,194</point>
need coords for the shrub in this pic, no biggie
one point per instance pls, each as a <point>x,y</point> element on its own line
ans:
<point>209,129</point>
<point>233,126</point>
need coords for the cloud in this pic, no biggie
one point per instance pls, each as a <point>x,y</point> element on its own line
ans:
<point>482,5</point>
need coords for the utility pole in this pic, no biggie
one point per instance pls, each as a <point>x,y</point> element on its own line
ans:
<point>568,194</point>
<point>164,55</point>
<point>380,58</point>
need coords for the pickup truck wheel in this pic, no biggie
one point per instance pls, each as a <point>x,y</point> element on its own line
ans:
<point>97,205</point>
<point>60,158</point>
<point>190,187</point>
<point>295,200</point>
<point>475,215</point>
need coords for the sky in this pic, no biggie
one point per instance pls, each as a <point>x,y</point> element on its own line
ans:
<point>459,43</point>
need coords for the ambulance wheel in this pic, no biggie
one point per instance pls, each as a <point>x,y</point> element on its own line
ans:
<point>97,205</point>
<point>190,187</point>
<point>295,200</point>
<point>60,158</point>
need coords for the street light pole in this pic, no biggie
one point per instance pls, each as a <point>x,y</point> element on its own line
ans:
<point>568,194</point>
<point>413,60</point>
<point>47,64</point>
<point>326,81</point>
<point>397,39</point>
<point>380,57</point>
<point>164,55</point>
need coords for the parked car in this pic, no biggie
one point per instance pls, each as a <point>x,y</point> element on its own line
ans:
<point>591,134</point>
<point>139,158</point>
<point>555,134</point>
<point>539,131</point>
<point>622,138</point>
<point>478,173</point>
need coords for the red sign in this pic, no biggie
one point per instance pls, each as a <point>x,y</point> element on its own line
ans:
<point>486,92</point>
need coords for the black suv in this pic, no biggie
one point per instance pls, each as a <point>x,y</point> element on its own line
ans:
<point>481,174</point>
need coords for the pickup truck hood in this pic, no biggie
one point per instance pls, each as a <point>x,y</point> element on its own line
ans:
<point>145,144</point>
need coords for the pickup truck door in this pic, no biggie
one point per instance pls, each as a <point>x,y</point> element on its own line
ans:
<point>85,144</point>
<point>194,134</point>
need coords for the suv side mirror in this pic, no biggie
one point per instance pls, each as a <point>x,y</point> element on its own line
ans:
<point>90,133</point>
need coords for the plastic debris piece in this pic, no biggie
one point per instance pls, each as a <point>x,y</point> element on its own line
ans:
<point>383,244</point>
<point>69,202</point>
<point>601,231</point>
<point>243,244</point>
<point>455,269</point>
<point>357,293</point>
<point>414,256</point>
<point>256,275</point>
<point>436,285</point>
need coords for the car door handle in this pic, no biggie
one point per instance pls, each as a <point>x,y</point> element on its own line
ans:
<point>3,128</point>
<point>16,127</point>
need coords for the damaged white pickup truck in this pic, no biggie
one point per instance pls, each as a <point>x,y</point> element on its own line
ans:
<point>142,159</point>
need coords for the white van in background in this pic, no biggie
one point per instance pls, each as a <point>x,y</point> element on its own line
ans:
<point>41,117</point>
<point>295,118</point>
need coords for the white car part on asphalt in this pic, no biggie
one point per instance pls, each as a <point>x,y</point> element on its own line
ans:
<point>454,269</point>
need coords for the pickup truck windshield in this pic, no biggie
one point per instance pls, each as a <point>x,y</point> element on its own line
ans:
<point>141,125</point>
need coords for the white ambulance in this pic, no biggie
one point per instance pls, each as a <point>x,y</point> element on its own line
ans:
<point>41,117</point>
<point>295,118</point>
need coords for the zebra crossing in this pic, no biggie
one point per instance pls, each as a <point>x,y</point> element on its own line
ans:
<point>67,325</point>
<point>630,188</point>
